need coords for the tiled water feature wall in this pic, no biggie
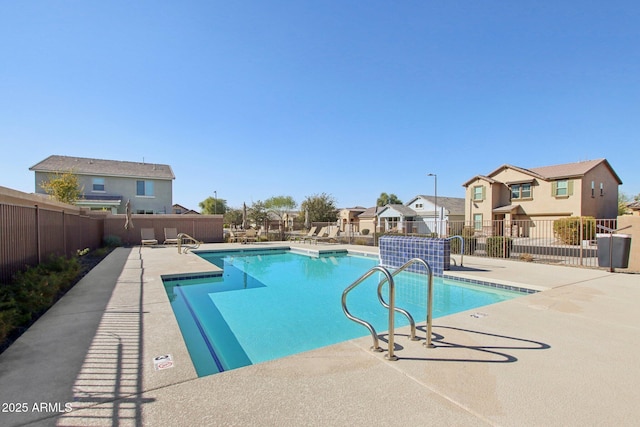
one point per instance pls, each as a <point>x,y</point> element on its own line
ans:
<point>397,250</point>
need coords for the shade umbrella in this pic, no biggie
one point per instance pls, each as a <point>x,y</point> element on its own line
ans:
<point>306,219</point>
<point>128,223</point>
<point>244,216</point>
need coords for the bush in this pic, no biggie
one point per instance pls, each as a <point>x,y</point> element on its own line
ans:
<point>112,241</point>
<point>470,242</point>
<point>568,229</point>
<point>365,232</point>
<point>33,291</point>
<point>496,246</point>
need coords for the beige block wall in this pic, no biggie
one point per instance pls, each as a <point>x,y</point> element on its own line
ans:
<point>634,232</point>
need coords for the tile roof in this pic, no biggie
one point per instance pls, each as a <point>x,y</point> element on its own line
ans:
<point>401,209</point>
<point>568,169</point>
<point>87,166</point>
<point>455,205</point>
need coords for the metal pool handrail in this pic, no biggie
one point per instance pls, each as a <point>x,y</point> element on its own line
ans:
<point>194,243</point>
<point>461,248</point>
<point>406,265</point>
<point>392,299</point>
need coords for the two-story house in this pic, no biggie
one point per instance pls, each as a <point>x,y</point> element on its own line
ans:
<point>512,193</point>
<point>109,184</point>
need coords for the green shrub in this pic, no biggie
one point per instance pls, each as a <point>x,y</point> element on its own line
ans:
<point>112,241</point>
<point>470,242</point>
<point>33,291</point>
<point>497,245</point>
<point>568,229</point>
<point>365,232</point>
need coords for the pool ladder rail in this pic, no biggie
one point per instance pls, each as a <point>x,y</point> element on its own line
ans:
<point>461,248</point>
<point>389,277</point>
<point>192,243</point>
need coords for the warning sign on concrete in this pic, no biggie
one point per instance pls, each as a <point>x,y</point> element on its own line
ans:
<point>163,362</point>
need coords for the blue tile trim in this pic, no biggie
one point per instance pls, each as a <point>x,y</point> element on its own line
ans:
<point>490,284</point>
<point>189,276</point>
<point>397,250</point>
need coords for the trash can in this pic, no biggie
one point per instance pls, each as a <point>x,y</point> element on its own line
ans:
<point>613,250</point>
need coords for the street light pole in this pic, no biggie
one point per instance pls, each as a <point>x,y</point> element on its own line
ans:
<point>437,214</point>
<point>215,202</point>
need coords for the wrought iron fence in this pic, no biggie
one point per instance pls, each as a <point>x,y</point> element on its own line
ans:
<point>567,241</point>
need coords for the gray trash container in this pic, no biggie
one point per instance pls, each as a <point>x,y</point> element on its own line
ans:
<point>620,248</point>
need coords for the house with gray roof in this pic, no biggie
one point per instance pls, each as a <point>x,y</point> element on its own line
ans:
<point>109,184</point>
<point>422,215</point>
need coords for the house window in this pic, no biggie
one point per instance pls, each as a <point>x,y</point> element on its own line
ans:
<point>593,189</point>
<point>601,189</point>
<point>515,191</point>
<point>418,205</point>
<point>478,192</point>
<point>521,191</point>
<point>477,222</point>
<point>97,184</point>
<point>144,188</point>
<point>562,188</point>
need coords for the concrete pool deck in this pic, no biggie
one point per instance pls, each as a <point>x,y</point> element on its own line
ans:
<point>563,356</point>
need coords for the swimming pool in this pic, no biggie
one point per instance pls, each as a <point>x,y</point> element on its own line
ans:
<point>268,304</point>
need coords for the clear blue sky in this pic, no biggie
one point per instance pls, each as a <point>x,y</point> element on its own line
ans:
<point>254,99</point>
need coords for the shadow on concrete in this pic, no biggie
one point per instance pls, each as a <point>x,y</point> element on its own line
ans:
<point>109,385</point>
<point>490,353</point>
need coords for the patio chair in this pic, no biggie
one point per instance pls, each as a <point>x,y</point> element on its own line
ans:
<point>233,237</point>
<point>311,233</point>
<point>250,235</point>
<point>333,235</point>
<point>170,236</point>
<point>148,236</point>
<point>312,237</point>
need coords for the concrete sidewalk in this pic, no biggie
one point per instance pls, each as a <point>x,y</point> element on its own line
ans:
<point>563,356</point>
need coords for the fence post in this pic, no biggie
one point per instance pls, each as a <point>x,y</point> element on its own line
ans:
<point>64,234</point>
<point>38,247</point>
<point>581,239</point>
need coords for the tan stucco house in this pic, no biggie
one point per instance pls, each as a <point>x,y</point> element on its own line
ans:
<point>349,219</point>
<point>109,184</point>
<point>587,188</point>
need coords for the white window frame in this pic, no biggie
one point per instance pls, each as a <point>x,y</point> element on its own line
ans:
<point>99,182</point>
<point>147,190</point>
<point>477,223</point>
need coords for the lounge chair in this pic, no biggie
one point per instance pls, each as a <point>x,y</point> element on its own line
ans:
<point>250,235</point>
<point>333,235</point>
<point>148,236</point>
<point>313,237</point>
<point>170,236</point>
<point>311,233</point>
<point>233,237</point>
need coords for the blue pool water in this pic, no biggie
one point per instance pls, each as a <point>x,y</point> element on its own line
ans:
<point>274,303</point>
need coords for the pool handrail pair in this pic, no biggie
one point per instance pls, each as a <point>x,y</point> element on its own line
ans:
<point>389,277</point>
<point>461,248</point>
<point>185,237</point>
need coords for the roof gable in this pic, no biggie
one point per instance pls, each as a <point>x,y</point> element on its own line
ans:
<point>401,209</point>
<point>87,166</point>
<point>569,170</point>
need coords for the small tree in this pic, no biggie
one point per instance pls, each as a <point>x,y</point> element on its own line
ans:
<point>64,187</point>
<point>388,199</point>
<point>279,206</point>
<point>233,217</point>
<point>257,213</point>
<point>211,206</point>
<point>321,207</point>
